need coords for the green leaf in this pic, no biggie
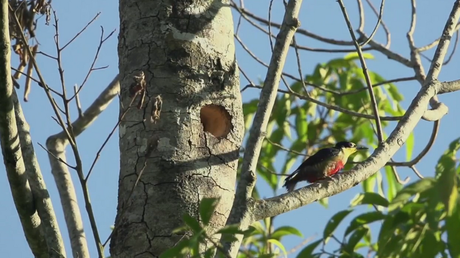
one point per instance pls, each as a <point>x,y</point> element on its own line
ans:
<point>192,223</point>
<point>393,185</point>
<point>207,207</point>
<point>410,190</point>
<point>287,130</point>
<point>430,246</point>
<point>410,145</point>
<point>209,253</point>
<point>364,219</point>
<point>448,160</point>
<point>389,229</point>
<point>279,245</point>
<point>448,190</point>
<point>301,124</point>
<point>394,92</point>
<point>354,56</point>
<point>266,256</point>
<point>447,182</point>
<point>392,248</point>
<point>232,229</point>
<point>282,109</point>
<point>369,184</point>
<point>308,250</point>
<point>453,229</point>
<point>354,239</point>
<point>285,231</point>
<point>333,223</point>
<point>370,198</point>
<point>447,187</point>
<point>324,202</point>
<point>182,248</point>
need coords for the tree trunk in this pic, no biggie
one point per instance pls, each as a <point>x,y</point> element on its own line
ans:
<point>183,143</point>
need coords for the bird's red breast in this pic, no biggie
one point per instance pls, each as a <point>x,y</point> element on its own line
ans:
<point>338,166</point>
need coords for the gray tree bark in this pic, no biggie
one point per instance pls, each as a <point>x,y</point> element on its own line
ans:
<point>186,146</point>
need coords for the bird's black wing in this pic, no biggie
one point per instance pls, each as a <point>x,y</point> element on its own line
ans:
<point>313,161</point>
<point>319,157</point>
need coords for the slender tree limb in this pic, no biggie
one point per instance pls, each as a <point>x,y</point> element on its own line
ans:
<point>434,43</point>
<point>384,26</point>
<point>240,213</point>
<point>362,18</point>
<point>448,87</point>
<point>334,107</point>
<point>276,25</point>
<point>245,13</point>
<point>42,199</point>
<point>11,147</point>
<point>425,150</point>
<point>375,109</point>
<point>438,109</point>
<point>56,145</point>
<point>416,171</point>
<point>78,240</point>
<point>379,20</point>
<point>341,182</point>
<point>443,46</point>
<point>385,51</point>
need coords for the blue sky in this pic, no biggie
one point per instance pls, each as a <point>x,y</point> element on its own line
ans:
<point>321,17</point>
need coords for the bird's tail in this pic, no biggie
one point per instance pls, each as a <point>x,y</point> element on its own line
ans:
<point>291,181</point>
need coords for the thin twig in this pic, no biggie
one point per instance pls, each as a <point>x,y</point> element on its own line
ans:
<point>362,19</point>
<point>365,71</point>
<point>435,43</point>
<point>334,107</point>
<point>384,26</point>
<point>416,171</point>
<point>52,154</point>
<point>379,20</point>
<point>434,134</point>
<point>81,31</point>
<point>102,40</point>
<point>284,148</point>
<point>77,101</point>
<point>393,169</point>
<point>98,154</point>
<point>299,66</point>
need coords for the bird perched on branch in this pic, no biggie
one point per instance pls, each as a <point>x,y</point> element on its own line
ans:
<point>324,163</point>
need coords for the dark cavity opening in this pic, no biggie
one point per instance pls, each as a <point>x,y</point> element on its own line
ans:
<point>216,120</point>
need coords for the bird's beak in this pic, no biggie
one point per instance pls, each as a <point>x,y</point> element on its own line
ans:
<point>361,148</point>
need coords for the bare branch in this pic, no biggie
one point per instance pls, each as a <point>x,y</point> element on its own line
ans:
<point>384,26</point>
<point>42,198</point>
<point>434,43</point>
<point>240,213</point>
<point>56,145</point>
<point>375,108</point>
<point>443,45</point>
<point>379,20</point>
<point>425,150</point>
<point>336,108</point>
<point>81,31</point>
<point>245,13</point>
<point>449,87</point>
<point>387,52</point>
<point>11,149</point>
<point>362,19</point>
